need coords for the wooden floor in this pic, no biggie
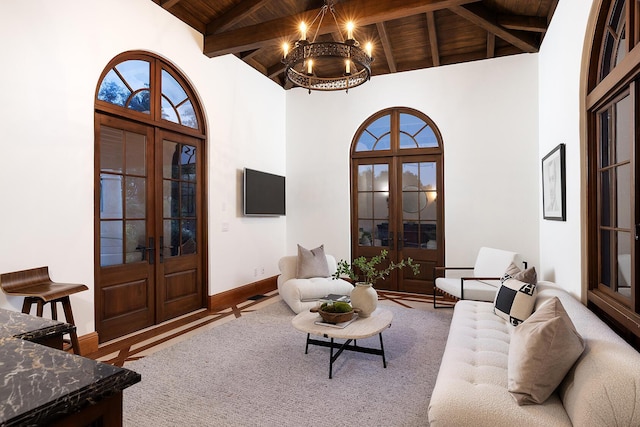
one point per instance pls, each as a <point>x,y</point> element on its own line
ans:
<point>140,344</point>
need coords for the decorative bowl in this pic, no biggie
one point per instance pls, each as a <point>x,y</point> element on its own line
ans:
<point>334,317</point>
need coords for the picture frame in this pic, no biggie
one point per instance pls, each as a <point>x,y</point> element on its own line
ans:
<point>554,206</point>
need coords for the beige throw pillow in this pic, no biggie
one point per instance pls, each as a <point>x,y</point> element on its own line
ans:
<point>528,276</point>
<point>542,350</point>
<point>312,263</point>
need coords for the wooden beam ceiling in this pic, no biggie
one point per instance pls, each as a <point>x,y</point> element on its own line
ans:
<point>270,32</point>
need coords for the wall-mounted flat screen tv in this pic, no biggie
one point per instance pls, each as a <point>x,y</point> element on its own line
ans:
<point>264,193</point>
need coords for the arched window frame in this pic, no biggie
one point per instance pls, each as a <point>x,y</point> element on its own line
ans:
<point>154,117</point>
<point>611,72</point>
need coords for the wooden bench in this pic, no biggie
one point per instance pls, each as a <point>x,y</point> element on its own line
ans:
<point>36,287</point>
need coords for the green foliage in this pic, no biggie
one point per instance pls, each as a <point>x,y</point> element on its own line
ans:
<point>369,270</point>
<point>336,307</point>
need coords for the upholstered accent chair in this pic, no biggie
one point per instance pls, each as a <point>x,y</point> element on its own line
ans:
<point>301,292</point>
<point>483,281</point>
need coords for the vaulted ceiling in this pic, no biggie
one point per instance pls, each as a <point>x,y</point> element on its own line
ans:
<point>406,34</point>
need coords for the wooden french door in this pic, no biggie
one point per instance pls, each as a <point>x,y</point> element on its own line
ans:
<point>397,207</point>
<point>148,224</point>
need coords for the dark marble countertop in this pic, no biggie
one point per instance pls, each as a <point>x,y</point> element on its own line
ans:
<point>39,384</point>
<point>30,328</point>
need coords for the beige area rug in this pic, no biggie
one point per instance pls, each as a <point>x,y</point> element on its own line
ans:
<point>253,371</point>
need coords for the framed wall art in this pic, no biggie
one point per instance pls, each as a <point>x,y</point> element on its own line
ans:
<point>554,206</point>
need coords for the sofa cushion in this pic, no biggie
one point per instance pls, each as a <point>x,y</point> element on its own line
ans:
<point>312,263</point>
<point>528,275</point>
<point>541,352</point>
<point>514,301</point>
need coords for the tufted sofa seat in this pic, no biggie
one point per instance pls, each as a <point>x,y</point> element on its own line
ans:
<point>303,294</point>
<point>602,388</point>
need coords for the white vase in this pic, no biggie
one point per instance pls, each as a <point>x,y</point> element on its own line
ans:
<point>365,298</point>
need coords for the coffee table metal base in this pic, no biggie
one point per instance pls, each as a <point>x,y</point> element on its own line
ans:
<point>345,346</point>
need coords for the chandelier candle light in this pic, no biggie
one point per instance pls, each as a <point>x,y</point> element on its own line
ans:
<point>327,65</point>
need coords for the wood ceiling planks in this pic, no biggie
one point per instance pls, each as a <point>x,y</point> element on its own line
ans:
<point>407,34</point>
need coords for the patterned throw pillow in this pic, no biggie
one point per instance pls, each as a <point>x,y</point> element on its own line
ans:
<point>514,301</point>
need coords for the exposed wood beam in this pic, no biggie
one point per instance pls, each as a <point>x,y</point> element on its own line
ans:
<point>480,16</point>
<point>235,15</point>
<point>386,46</point>
<point>250,54</point>
<point>274,70</point>
<point>168,4</point>
<point>523,23</point>
<point>433,39</point>
<point>270,32</point>
<point>491,45</point>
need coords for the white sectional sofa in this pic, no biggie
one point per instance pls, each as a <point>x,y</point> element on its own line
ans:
<point>303,294</point>
<point>601,389</point>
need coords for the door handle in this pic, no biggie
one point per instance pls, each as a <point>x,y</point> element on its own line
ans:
<point>391,242</point>
<point>145,249</point>
<point>400,242</point>
<point>161,249</point>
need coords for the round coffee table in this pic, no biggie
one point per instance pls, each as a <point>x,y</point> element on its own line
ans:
<point>360,328</point>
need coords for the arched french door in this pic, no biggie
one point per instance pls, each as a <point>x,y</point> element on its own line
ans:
<point>150,252</point>
<point>397,195</point>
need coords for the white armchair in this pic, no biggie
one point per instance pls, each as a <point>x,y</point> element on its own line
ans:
<point>484,281</point>
<point>303,294</point>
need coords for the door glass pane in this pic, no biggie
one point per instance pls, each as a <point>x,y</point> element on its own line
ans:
<point>136,158</point>
<point>624,263</point>
<point>171,236</point>
<point>188,163</point>
<point>605,257</point>
<point>179,198</point>
<point>188,197</point>
<point>381,233</point>
<point>188,238</point>
<point>365,177</point>
<point>605,135</point>
<point>623,196</point>
<point>111,149</point>
<point>381,178</point>
<point>365,205</point>
<point>365,233</point>
<point>136,202</point>
<point>624,126</point>
<point>111,243</point>
<point>419,208</point>
<point>605,199</point>
<point>135,241</point>
<point>110,196</point>
<point>381,205</point>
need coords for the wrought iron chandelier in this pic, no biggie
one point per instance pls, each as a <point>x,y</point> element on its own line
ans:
<point>327,65</point>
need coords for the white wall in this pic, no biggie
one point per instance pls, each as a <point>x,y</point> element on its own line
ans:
<point>52,55</point>
<point>487,112</point>
<point>560,61</point>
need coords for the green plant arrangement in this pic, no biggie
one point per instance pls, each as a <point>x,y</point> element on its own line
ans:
<point>369,270</point>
